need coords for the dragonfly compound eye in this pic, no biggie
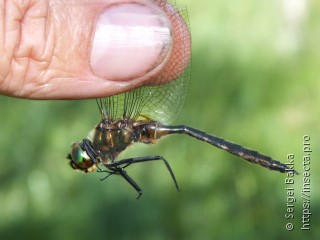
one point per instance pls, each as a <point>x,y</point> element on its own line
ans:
<point>80,160</point>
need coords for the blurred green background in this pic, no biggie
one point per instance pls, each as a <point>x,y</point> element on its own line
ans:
<point>255,75</point>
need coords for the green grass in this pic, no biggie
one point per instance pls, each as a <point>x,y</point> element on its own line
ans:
<point>254,81</point>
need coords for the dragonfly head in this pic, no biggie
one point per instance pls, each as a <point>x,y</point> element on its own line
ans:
<point>80,160</point>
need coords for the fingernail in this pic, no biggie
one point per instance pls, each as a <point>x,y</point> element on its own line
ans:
<point>130,40</point>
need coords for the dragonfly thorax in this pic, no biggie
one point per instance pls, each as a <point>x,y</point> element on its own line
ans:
<point>110,139</point>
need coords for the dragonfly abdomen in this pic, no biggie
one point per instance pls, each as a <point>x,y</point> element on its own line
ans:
<point>235,149</point>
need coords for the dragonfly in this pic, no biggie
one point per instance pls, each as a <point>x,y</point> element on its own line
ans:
<point>142,116</point>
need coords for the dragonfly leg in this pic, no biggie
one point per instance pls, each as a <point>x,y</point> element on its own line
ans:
<point>127,162</point>
<point>125,175</point>
<point>106,171</point>
<point>87,146</point>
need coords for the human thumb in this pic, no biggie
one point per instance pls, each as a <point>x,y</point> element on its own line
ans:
<point>64,49</point>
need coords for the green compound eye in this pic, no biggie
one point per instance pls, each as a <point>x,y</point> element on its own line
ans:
<point>77,154</point>
<point>80,159</point>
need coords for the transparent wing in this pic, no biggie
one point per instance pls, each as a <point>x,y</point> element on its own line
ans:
<point>160,101</point>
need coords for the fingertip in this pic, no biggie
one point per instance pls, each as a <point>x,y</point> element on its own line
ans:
<point>146,42</point>
<point>130,41</point>
<point>133,44</point>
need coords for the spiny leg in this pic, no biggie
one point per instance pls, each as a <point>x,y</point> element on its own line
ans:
<point>88,148</point>
<point>87,145</point>
<point>106,171</point>
<point>124,174</point>
<point>130,161</point>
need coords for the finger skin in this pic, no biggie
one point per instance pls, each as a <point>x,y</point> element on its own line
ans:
<point>45,50</point>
